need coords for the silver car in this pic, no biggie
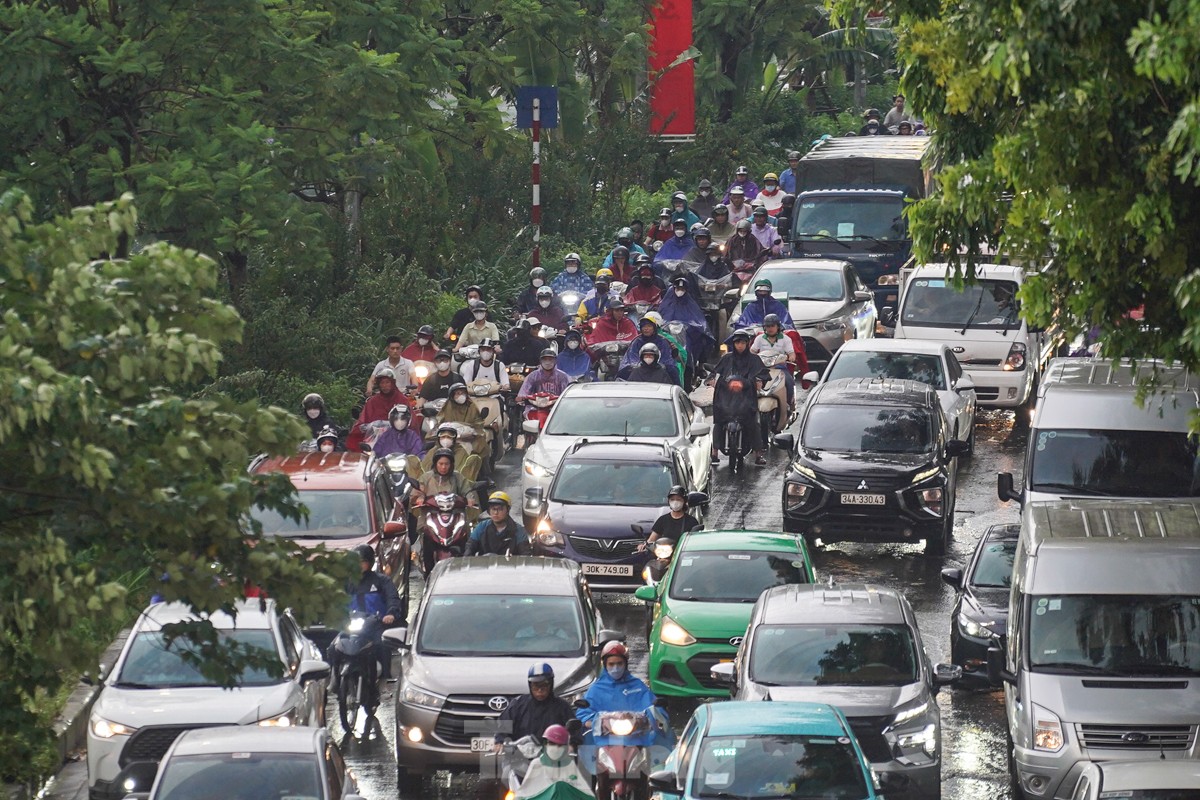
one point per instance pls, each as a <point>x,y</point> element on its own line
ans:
<point>932,363</point>
<point>153,694</point>
<point>828,302</point>
<point>637,412</point>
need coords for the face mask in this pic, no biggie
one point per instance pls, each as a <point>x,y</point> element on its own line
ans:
<point>537,282</point>
<point>555,752</point>
<point>762,295</point>
<point>649,361</point>
<point>680,292</point>
<point>676,505</point>
<point>616,672</point>
<point>313,413</point>
<point>679,234</point>
<point>442,366</point>
<point>544,303</point>
<point>572,269</point>
<point>771,187</point>
<point>422,341</point>
<point>460,398</point>
<point>327,447</point>
<point>446,442</point>
<point>479,314</point>
<point>572,345</point>
<point>743,234</point>
<point>646,281</point>
<point>400,424</point>
<point>705,192</point>
<point>486,356</point>
<point>548,366</point>
<point>713,257</point>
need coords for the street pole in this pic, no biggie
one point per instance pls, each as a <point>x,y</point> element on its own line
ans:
<point>537,182</point>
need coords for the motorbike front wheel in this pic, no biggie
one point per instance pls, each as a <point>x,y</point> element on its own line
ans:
<point>733,441</point>
<point>350,692</point>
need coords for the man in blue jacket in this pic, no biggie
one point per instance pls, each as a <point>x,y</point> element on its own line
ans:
<point>762,305</point>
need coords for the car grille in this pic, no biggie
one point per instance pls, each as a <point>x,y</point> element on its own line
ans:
<point>1137,737</point>
<point>869,732</point>
<point>884,527</point>
<point>604,549</point>
<point>875,483</point>
<point>701,663</point>
<point>151,744</point>
<point>464,716</point>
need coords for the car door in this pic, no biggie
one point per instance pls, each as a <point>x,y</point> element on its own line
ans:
<point>697,450</point>
<point>299,648</point>
<point>862,312</point>
<point>962,415</point>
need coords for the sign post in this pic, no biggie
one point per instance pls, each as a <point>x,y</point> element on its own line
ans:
<point>537,108</point>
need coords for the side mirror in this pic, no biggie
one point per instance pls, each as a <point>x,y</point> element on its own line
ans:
<point>887,315</point>
<point>699,429</point>
<point>648,594</point>
<point>664,780</point>
<point>784,441</point>
<point>697,499</point>
<point>964,384</point>
<point>723,673</point>
<point>530,426</point>
<point>363,447</point>
<point>1004,487</point>
<point>863,296</point>
<point>393,528</point>
<point>946,674</point>
<point>812,376</point>
<point>733,294</point>
<point>312,670</point>
<point>956,448</point>
<point>952,577</point>
<point>997,669</point>
<point>396,638</point>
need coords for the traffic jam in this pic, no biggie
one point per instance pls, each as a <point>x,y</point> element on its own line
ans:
<point>875,536</point>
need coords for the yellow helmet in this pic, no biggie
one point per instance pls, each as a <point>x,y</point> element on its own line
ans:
<point>500,497</point>
<point>771,176</point>
<point>604,272</point>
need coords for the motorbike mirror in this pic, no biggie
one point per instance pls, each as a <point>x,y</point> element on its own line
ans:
<point>605,635</point>
<point>647,594</point>
<point>363,447</point>
<point>697,498</point>
<point>530,426</point>
<point>396,638</point>
<point>733,294</point>
<point>393,528</point>
<point>581,703</point>
<point>665,781</point>
<point>312,670</point>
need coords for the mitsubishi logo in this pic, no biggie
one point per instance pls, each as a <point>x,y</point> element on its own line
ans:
<point>862,485</point>
<point>498,703</point>
<point>736,641</point>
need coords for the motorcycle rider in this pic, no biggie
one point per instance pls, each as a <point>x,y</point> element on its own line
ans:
<point>525,347</point>
<point>373,595</point>
<point>480,328</point>
<point>486,367</point>
<point>765,232</point>
<point>444,479</point>
<point>771,195</point>
<point>719,226</point>
<point>715,266</point>
<point>422,348</point>
<point>555,767</point>
<point>680,211</point>
<point>649,333</point>
<point>741,180</point>
<point>677,247</point>
<point>650,370</point>
<point>763,304</point>
<point>660,231</point>
<point>624,239</point>
<point>596,302</point>
<point>315,413</point>
<point>614,326</point>
<point>739,207</point>
<point>462,411</point>
<point>549,379</point>
<point>531,714</point>
<point>743,406</point>
<point>743,250</point>
<point>783,220</point>
<point>527,299</point>
<point>572,278</point>
<point>550,311</point>
<point>676,522</point>
<point>787,179</point>
<point>705,200</point>
<point>618,262</point>
<point>644,288</point>
<point>397,363</point>
<point>377,408</point>
<point>774,341</point>
<point>680,305</point>
<point>327,441</point>
<point>499,534</point>
<point>701,239</point>
<point>574,359</point>
<point>437,385</point>
<point>399,438</point>
<point>447,439</point>
<point>462,318</point>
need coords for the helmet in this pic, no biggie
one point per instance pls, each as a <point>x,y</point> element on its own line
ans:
<point>488,344</point>
<point>573,334</point>
<point>365,553</point>
<point>544,291</point>
<point>548,353</point>
<point>327,433</point>
<point>399,411</point>
<point>701,231</point>
<point>625,233</point>
<point>569,257</point>
<point>743,225</point>
<point>793,155</point>
<point>442,355</point>
<point>713,247</point>
<point>448,429</point>
<point>614,648</point>
<point>540,671</point>
<point>763,282</point>
<point>666,212</point>
<point>706,184</point>
<point>496,498</point>
<point>679,223</point>
<point>740,333</point>
<point>737,191</point>
<point>604,274</point>
<point>679,281</point>
<point>679,196</point>
<point>771,176</point>
<point>678,490</point>
<point>871,113</point>
<point>537,272</point>
<point>473,288</point>
<point>772,319</point>
<point>643,258</point>
<point>456,384</point>
<point>556,734</point>
<point>478,305</point>
<point>620,251</point>
<point>314,400</point>
<point>652,348</point>
<point>652,316</point>
<point>443,452</point>
<point>721,208</point>
<point>533,321</point>
<point>385,374</point>
<point>742,171</point>
<point>425,330</point>
<point>760,211</point>
<point>524,324</point>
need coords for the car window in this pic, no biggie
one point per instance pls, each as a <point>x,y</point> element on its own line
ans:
<point>687,746</point>
<point>848,272</point>
<point>733,576</point>
<point>152,661</point>
<point>613,483</point>
<point>778,766</point>
<point>689,409</point>
<point>335,766</point>
<point>925,369</point>
<point>870,429</point>
<point>331,515</point>
<point>994,568</point>
<point>502,625</point>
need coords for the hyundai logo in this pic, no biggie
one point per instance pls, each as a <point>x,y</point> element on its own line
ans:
<point>736,641</point>
<point>1135,737</point>
<point>863,484</point>
<point>498,703</point>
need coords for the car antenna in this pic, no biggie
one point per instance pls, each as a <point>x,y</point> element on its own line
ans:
<point>626,431</point>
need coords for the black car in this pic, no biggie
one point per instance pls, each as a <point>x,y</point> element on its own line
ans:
<point>981,607</point>
<point>875,462</point>
<point>599,492</point>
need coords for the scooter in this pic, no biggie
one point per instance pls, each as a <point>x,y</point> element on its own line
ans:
<point>429,424</point>
<point>712,299</point>
<point>608,361</point>
<point>737,443</point>
<point>358,673</point>
<point>540,404</point>
<point>445,531</point>
<point>623,770</point>
<point>570,302</point>
<point>516,413</point>
<point>769,408</point>
<point>486,394</point>
<point>515,758</point>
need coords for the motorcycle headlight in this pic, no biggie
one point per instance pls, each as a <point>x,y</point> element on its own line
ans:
<point>620,727</point>
<point>416,696</point>
<point>1047,730</point>
<point>106,729</point>
<point>673,633</point>
<point>663,551</point>
<point>284,720</point>
<point>422,372</point>
<point>535,470</point>
<point>356,624</point>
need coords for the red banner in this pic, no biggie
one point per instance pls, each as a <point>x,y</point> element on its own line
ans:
<point>673,91</point>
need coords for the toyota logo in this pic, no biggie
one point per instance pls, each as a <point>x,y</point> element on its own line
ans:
<point>498,703</point>
<point>736,641</point>
<point>1135,737</point>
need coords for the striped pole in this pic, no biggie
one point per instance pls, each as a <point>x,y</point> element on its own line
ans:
<point>537,182</point>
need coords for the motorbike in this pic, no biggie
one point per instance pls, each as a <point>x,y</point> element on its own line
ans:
<point>358,674</point>
<point>737,441</point>
<point>516,414</point>
<point>681,332</point>
<point>429,424</point>
<point>570,302</point>
<point>540,404</point>
<point>515,758</point>
<point>609,355</point>
<point>713,300</point>
<point>445,531</point>
<point>486,394</point>
<point>402,472</point>
<point>622,770</point>
<point>769,409</point>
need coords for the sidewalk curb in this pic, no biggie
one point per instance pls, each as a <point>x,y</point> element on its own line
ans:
<point>70,729</point>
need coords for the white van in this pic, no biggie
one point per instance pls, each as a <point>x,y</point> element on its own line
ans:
<point>981,323</point>
<point>1102,657</point>
<point>1090,438</point>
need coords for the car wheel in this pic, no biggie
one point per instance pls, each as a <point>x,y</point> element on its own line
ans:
<point>810,540</point>
<point>935,543</point>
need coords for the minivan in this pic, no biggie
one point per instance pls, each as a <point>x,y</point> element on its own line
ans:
<point>1101,660</point>
<point>1091,437</point>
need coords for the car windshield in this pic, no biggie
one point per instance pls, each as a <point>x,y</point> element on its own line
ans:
<point>331,515</point>
<point>803,284</point>
<point>1123,635</point>
<point>241,776</point>
<point>151,662</point>
<point>612,483</point>
<point>925,369</point>
<point>851,217</point>
<point>474,625</point>
<point>983,304</point>
<point>868,429</point>
<point>833,655</point>
<point>994,568</point>
<point>782,765</point>
<point>733,576</point>
<point>613,416</point>
<point>1117,463</point>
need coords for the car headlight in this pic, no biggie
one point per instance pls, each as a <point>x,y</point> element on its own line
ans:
<point>1016,358</point>
<point>798,491</point>
<point>925,739</point>
<point>833,324</point>
<point>932,500</point>
<point>284,720</point>
<point>416,696</point>
<point>105,729</point>
<point>975,629</point>
<point>1047,730</point>
<point>673,633</point>
<point>547,536</point>
<point>535,470</point>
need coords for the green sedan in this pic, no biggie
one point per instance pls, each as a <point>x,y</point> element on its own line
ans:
<point>702,605</point>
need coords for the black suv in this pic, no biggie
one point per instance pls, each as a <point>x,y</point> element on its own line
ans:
<point>875,462</point>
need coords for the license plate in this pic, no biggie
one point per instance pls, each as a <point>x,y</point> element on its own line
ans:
<point>863,500</point>
<point>481,744</point>
<point>623,570</point>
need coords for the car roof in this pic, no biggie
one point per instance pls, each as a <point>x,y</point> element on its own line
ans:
<point>919,346</point>
<point>750,717</point>
<point>894,190</point>
<point>799,264</point>
<point>620,389</point>
<point>984,271</point>
<point>1067,407</point>
<point>1089,523</point>
<point>609,450</point>
<point>250,616</point>
<point>739,540</point>
<point>248,739</point>
<point>842,603</point>
<point>526,575</point>
<point>1099,372</point>
<point>319,471</point>
<point>873,391</point>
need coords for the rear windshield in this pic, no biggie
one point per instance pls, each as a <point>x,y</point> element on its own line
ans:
<point>331,515</point>
<point>841,655</point>
<point>613,416</point>
<point>1115,463</point>
<point>868,429</point>
<point>733,576</point>
<point>501,625</point>
<point>241,776</point>
<point>925,369</point>
<point>937,303</point>
<point>766,767</point>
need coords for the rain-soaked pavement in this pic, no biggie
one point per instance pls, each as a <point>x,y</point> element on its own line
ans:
<point>973,722</point>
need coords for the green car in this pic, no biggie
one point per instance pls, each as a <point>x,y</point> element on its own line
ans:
<point>702,605</point>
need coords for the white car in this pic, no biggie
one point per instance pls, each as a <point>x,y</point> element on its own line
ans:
<point>1157,779</point>
<point>932,363</point>
<point>153,694</point>
<point>618,411</point>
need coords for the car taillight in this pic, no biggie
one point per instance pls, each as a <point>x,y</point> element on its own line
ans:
<point>1016,358</point>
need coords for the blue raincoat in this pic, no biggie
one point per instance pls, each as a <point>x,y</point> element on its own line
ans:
<point>758,308</point>
<point>574,362</point>
<point>566,282</point>
<point>627,694</point>
<point>673,249</point>
<point>686,310</point>
<point>666,354</point>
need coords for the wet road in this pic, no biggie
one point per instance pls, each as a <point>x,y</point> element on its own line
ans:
<point>973,732</point>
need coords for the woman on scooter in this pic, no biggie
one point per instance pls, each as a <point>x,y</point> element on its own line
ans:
<point>443,479</point>
<point>742,406</point>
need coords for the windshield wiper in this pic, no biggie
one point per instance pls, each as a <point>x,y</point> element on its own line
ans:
<point>970,319</point>
<point>1067,667</point>
<point>824,237</point>
<point>442,653</point>
<point>1067,487</point>
<point>865,237</point>
<point>1156,669</point>
<point>815,299</point>
<point>136,685</point>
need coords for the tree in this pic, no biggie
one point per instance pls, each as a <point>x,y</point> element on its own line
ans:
<point>1072,132</point>
<point>108,466</point>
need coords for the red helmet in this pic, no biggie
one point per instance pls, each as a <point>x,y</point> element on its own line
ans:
<point>614,648</point>
<point>556,734</point>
